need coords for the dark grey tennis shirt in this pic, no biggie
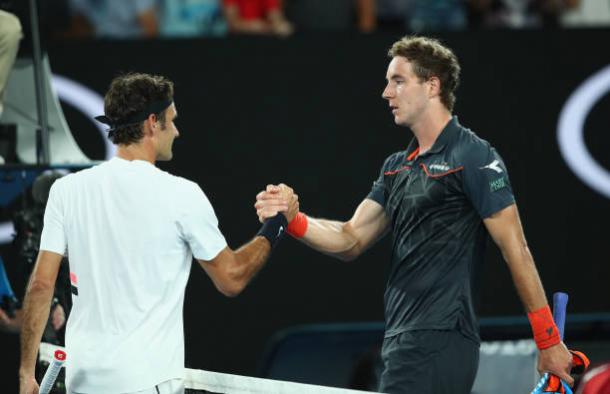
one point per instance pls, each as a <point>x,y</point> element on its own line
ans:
<point>436,202</point>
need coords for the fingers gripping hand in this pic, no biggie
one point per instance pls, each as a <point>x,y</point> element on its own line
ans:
<point>558,361</point>
<point>292,199</point>
<point>274,199</point>
<point>269,202</point>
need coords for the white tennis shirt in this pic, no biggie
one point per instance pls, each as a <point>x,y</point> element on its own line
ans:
<point>130,231</point>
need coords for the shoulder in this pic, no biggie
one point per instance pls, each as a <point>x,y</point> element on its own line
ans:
<point>189,187</point>
<point>470,149</point>
<point>185,189</point>
<point>180,183</point>
<point>394,160</point>
<point>73,178</point>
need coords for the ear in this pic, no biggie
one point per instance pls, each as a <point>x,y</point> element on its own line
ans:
<point>435,86</point>
<point>150,124</point>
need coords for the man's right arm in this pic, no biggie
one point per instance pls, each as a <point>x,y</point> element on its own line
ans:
<point>343,240</point>
<point>36,308</point>
<point>231,270</point>
<point>347,240</point>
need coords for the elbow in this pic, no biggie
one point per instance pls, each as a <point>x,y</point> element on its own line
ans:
<point>352,247</point>
<point>232,289</point>
<point>517,254</point>
<point>352,252</point>
<point>37,285</point>
<point>233,283</point>
<point>349,255</point>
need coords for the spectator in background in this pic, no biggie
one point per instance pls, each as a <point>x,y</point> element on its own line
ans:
<point>10,34</point>
<point>115,18</point>
<point>518,14</point>
<point>422,15</point>
<point>391,14</point>
<point>335,15</point>
<point>436,15</point>
<point>587,13</point>
<point>192,18</point>
<point>13,324</point>
<point>256,17</point>
<point>597,380</point>
<point>28,224</point>
<point>366,16</point>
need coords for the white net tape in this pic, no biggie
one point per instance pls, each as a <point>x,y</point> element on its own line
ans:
<point>200,381</point>
<point>216,382</point>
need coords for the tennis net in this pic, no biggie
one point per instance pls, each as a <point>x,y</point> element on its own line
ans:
<point>201,381</point>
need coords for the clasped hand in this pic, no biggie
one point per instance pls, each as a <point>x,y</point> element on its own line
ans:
<point>277,199</point>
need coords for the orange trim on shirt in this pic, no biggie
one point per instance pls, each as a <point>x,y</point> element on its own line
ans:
<point>413,154</point>
<point>403,168</point>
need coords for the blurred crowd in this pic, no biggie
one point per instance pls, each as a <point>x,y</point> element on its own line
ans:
<point>129,19</point>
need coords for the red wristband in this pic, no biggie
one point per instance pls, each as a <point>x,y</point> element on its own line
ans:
<point>545,331</point>
<point>298,226</point>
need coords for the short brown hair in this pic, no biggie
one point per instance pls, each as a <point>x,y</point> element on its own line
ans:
<point>130,94</point>
<point>430,58</point>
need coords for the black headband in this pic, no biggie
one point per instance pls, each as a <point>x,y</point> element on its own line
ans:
<point>153,108</point>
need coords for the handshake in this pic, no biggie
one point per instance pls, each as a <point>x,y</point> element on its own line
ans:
<point>277,199</point>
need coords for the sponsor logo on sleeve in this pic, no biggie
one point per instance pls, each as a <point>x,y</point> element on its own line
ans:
<point>498,184</point>
<point>494,165</point>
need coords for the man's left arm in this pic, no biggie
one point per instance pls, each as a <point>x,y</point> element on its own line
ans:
<point>505,228</point>
<point>36,307</point>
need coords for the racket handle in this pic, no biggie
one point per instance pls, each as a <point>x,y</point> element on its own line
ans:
<point>49,377</point>
<point>560,302</point>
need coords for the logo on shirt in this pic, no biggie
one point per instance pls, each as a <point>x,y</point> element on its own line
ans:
<point>439,167</point>
<point>279,232</point>
<point>494,165</point>
<point>498,184</point>
<point>73,283</point>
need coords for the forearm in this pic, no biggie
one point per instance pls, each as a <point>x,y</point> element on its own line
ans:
<point>554,356</point>
<point>249,259</point>
<point>332,238</point>
<point>35,315</point>
<point>525,277</point>
<point>344,240</point>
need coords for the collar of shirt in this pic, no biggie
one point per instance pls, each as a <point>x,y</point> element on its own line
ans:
<point>444,138</point>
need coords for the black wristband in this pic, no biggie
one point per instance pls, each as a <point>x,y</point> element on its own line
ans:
<point>274,228</point>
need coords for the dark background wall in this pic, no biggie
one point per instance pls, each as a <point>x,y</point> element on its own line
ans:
<point>308,112</point>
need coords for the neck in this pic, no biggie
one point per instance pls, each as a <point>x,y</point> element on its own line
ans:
<point>429,126</point>
<point>137,151</point>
